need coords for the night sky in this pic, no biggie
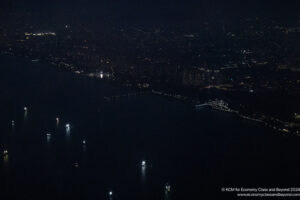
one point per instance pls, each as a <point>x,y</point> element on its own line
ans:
<point>156,9</point>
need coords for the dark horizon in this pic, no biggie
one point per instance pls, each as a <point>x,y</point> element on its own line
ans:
<point>155,10</point>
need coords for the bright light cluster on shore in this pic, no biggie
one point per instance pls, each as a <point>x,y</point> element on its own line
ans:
<point>41,34</point>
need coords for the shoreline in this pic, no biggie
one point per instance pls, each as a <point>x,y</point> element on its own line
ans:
<point>278,125</point>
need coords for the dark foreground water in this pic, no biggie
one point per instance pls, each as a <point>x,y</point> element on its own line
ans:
<point>197,153</point>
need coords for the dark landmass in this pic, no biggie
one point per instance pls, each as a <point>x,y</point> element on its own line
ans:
<point>251,63</point>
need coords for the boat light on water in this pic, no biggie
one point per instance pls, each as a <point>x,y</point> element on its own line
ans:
<point>67,126</point>
<point>5,152</point>
<point>143,163</point>
<point>168,188</point>
<point>110,193</point>
<point>25,108</point>
<point>83,142</point>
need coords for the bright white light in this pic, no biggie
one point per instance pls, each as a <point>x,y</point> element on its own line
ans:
<point>83,142</point>
<point>110,193</point>
<point>57,119</point>
<point>68,129</point>
<point>25,108</point>
<point>5,152</point>
<point>143,163</point>
<point>168,188</point>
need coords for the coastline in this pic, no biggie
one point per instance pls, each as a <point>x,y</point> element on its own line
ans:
<point>267,121</point>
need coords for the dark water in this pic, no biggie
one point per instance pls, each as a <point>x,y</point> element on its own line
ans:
<point>197,153</point>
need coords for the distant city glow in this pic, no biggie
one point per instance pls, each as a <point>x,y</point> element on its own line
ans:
<point>40,34</point>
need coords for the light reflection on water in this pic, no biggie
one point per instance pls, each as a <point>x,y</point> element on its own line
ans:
<point>57,122</point>
<point>68,134</point>
<point>167,196</point>
<point>48,138</point>
<point>110,111</point>
<point>111,195</point>
<point>167,192</point>
<point>84,148</point>
<point>25,115</point>
<point>143,174</point>
<point>6,163</point>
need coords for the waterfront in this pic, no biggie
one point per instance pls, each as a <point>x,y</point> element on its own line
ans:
<point>197,153</point>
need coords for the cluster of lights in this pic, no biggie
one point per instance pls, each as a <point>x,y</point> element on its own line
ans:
<point>40,34</point>
<point>76,164</point>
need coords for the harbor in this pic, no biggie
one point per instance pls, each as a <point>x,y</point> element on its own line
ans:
<point>75,144</point>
